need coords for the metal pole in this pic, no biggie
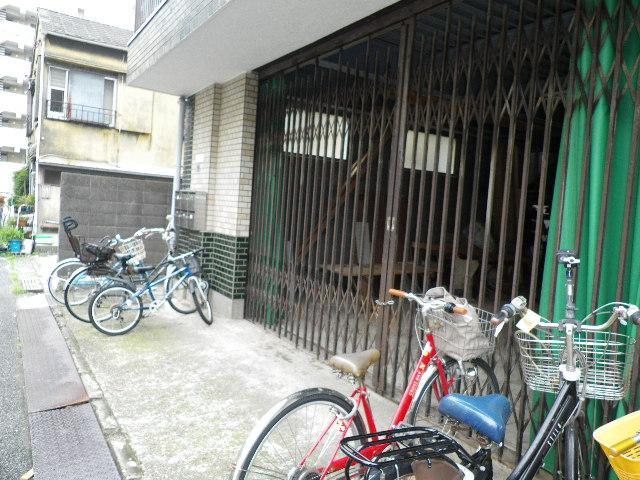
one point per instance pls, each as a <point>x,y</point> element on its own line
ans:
<point>39,133</point>
<point>176,177</point>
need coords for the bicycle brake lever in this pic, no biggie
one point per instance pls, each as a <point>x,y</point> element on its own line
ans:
<point>380,303</point>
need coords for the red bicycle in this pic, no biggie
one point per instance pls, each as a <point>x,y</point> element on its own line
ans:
<point>299,438</point>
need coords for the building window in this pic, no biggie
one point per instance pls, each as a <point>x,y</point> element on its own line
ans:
<point>81,96</point>
<point>318,134</point>
<point>425,150</point>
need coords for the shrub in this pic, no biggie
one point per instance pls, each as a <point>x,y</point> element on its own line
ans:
<point>10,233</point>
<point>21,182</point>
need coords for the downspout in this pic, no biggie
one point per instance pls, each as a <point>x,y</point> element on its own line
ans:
<point>38,136</point>
<point>176,177</point>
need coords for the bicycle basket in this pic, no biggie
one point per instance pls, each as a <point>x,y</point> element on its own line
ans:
<point>135,248</point>
<point>387,452</point>
<point>608,358</point>
<point>626,465</point>
<point>462,337</point>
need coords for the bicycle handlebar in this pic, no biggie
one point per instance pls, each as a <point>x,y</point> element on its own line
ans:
<point>518,306</point>
<point>448,307</point>
<point>397,293</point>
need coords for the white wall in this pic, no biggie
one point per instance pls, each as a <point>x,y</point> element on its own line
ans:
<point>6,177</point>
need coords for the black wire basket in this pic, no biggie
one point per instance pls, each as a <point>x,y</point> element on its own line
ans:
<point>396,450</point>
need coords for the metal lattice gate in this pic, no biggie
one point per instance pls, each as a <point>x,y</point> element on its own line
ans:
<point>422,153</point>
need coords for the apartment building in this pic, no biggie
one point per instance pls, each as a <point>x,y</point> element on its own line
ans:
<point>17,31</point>
<point>99,149</point>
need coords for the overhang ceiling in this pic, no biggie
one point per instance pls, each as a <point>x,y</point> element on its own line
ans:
<point>246,34</point>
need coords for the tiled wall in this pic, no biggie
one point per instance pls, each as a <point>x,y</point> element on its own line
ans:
<point>223,261</point>
<point>222,146</point>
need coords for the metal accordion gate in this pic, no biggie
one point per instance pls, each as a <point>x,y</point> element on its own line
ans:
<point>418,149</point>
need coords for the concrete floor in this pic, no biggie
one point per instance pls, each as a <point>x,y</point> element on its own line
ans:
<point>186,395</point>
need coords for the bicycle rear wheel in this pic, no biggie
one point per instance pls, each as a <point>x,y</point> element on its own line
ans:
<point>115,310</point>
<point>60,275</point>
<point>181,299</point>
<point>475,378</point>
<point>292,431</point>
<point>82,285</point>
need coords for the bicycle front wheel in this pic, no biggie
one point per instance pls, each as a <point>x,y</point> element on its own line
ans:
<point>115,310</point>
<point>201,301</point>
<point>60,275</point>
<point>299,438</point>
<point>574,457</point>
<point>474,377</point>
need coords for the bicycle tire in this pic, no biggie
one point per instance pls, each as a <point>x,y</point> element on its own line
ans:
<point>175,304</point>
<point>59,276</point>
<point>114,290</point>
<point>247,470</point>
<point>574,450</point>
<point>202,302</point>
<point>79,308</point>
<point>489,386</point>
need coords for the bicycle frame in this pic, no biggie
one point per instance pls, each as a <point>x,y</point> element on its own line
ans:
<point>148,287</point>
<point>360,398</point>
<point>561,414</point>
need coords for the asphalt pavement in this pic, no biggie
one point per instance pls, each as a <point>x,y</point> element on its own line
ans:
<point>15,446</point>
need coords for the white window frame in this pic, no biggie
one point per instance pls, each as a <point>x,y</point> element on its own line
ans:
<point>51,114</point>
<point>63,115</point>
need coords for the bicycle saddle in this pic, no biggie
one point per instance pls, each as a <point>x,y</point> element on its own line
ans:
<point>487,415</point>
<point>355,364</point>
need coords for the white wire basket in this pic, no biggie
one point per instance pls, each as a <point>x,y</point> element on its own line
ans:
<point>135,248</point>
<point>462,337</point>
<point>608,357</point>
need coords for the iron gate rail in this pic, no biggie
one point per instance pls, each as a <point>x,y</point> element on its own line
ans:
<point>424,153</point>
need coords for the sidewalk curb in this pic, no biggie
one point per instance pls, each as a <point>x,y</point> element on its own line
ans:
<point>126,459</point>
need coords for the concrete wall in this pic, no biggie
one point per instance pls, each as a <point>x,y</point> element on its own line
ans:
<point>104,204</point>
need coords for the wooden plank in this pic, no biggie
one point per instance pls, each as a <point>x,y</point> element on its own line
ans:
<point>51,378</point>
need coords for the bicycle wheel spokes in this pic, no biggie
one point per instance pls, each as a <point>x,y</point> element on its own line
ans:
<point>181,299</point>
<point>81,287</point>
<point>301,443</point>
<point>59,278</point>
<point>115,310</point>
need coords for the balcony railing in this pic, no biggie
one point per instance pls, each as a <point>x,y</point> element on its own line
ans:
<point>80,113</point>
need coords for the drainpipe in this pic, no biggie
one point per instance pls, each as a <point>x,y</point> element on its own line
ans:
<point>39,134</point>
<point>176,178</point>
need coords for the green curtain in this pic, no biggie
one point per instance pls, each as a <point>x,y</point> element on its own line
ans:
<point>273,188</point>
<point>621,161</point>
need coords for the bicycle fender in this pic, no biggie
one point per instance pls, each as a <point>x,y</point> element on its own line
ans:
<point>269,417</point>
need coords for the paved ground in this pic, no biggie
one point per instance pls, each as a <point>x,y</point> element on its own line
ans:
<point>186,395</point>
<point>15,447</point>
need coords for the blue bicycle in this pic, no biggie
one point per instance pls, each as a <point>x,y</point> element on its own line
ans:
<point>117,309</point>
